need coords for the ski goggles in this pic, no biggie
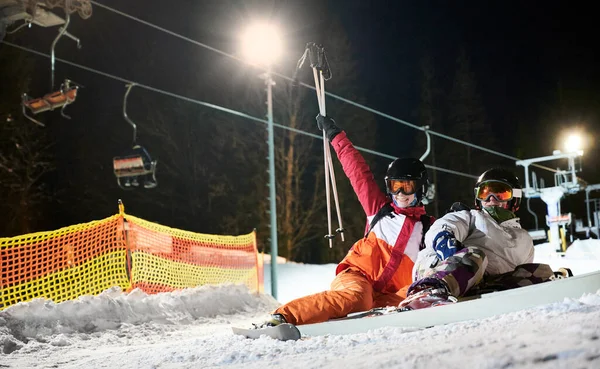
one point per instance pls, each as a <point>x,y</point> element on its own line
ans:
<point>404,186</point>
<point>501,191</point>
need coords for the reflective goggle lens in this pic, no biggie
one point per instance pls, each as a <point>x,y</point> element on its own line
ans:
<point>406,187</point>
<point>501,191</point>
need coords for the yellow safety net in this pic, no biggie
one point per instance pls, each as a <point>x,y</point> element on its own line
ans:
<point>123,251</point>
<point>165,259</point>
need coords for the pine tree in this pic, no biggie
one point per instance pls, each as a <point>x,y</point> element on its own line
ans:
<point>466,121</point>
<point>25,152</point>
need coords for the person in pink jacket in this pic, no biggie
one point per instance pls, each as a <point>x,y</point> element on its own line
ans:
<point>378,268</point>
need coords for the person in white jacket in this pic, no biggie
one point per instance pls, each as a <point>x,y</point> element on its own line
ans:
<point>467,247</point>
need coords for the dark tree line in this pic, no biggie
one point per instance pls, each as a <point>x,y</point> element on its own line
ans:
<point>212,166</point>
<point>454,107</point>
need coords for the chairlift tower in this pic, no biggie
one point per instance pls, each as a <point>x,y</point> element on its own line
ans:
<point>565,182</point>
<point>38,13</point>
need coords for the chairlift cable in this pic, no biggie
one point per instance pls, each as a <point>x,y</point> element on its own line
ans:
<point>197,43</point>
<point>214,106</point>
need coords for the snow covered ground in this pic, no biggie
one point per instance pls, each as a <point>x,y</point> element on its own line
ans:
<point>191,329</point>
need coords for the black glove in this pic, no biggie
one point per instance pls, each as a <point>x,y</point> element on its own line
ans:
<point>328,125</point>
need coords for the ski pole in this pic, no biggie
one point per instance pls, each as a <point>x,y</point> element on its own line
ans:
<point>327,151</point>
<point>321,73</point>
<point>326,158</point>
<point>325,74</point>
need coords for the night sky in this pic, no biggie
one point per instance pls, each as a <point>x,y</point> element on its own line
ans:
<point>535,63</point>
<point>536,68</point>
<point>528,59</point>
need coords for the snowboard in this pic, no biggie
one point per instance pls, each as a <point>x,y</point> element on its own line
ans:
<point>474,307</point>
<point>477,307</point>
<point>282,332</point>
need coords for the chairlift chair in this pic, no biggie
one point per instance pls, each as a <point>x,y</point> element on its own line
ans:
<point>54,100</point>
<point>137,164</point>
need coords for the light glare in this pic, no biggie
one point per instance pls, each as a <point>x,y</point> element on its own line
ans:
<point>261,44</point>
<point>573,143</point>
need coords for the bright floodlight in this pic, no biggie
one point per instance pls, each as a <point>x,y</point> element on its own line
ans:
<point>573,143</point>
<point>261,44</point>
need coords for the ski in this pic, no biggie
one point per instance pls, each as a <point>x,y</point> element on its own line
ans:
<point>282,332</point>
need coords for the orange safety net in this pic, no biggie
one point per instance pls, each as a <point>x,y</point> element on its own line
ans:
<point>83,259</point>
<point>166,259</point>
<point>123,251</point>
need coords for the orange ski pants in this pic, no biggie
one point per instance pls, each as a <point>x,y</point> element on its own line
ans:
<point>350,292</point>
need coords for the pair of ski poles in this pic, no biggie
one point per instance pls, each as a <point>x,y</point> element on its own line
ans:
<point>322,73</point>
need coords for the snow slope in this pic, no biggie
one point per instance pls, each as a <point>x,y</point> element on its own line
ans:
<point>191,329</point>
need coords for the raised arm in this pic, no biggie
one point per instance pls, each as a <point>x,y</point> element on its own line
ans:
<point>355,167</point>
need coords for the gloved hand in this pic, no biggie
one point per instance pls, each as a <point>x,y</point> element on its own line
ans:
<point>328,125</point>
<point>445,245</point>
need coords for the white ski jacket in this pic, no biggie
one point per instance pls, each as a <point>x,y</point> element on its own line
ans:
<point>506,245</point>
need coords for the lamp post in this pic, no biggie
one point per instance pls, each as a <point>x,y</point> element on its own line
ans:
<point>262,47</point>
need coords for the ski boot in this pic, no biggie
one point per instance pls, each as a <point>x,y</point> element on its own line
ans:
<point>427,292</point>
<point>562,273</point>
<point>276,319</point>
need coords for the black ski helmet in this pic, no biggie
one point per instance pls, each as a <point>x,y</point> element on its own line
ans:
<point>409,169</point>
<point>505,176</point>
